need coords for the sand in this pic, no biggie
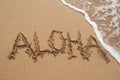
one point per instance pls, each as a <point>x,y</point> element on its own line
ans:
<point>43,16</point>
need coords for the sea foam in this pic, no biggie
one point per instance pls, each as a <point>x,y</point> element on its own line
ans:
<point>100,34</point>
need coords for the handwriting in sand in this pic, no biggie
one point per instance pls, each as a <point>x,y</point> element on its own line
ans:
<point>65,46</point>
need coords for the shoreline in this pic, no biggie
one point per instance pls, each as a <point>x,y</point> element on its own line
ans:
<point>115,54</point>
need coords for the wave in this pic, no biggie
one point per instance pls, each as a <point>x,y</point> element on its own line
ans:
<point>104,17</point>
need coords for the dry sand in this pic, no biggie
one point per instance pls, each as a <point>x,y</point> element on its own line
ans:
<point>43,16</point>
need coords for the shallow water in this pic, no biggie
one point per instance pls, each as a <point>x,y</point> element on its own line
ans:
<point>104,16</point>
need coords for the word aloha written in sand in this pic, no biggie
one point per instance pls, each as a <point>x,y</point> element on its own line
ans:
<point>65,46</point>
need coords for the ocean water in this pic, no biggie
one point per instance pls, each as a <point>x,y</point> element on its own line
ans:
<point>104,17</point>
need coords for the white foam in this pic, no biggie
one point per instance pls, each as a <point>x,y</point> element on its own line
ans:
<point>110,49</point>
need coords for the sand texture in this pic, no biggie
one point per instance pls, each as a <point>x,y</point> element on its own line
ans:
<point>26,23</point>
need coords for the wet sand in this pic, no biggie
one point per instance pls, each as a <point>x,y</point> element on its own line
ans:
<point>43,16</point>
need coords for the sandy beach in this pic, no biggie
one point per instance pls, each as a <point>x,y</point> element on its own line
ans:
<point>42,17</point>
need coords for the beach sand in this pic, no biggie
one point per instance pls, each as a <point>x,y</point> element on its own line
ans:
<point>43,16</point>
